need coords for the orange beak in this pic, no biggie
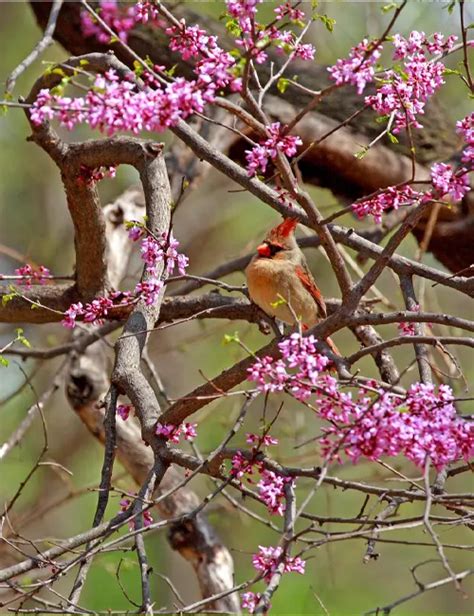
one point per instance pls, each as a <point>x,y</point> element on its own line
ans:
<point>264,250</point>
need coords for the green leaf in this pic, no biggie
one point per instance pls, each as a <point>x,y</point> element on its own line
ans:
<point>233,28</point>
<point>281,301</point>
<point>329,22</point>
<point>228,338</point>
<point>451,71</point>
<point>388,7</point>
<point>21,338</point>
<point>451,6</point>
<point>392,137</point>
<point>138,68</point>
<point>8,298</point>
<point>171,71</point>
<point>282,84</point>
<point>3,361</point>
<point>361,153</point>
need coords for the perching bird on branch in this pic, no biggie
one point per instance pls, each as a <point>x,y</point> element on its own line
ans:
<point>280,283</point>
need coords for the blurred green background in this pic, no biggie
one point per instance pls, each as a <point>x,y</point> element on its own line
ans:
<point>213,226</point>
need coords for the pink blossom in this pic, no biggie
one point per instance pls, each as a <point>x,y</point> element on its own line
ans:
<point>97,309</point>
<point>241,466</point>
<point>268,558</point>
<point>88,176</point>
<point>265,440</point>
<point>149,290</point>
<point>287,10</point>
<point>113,105</point>
<point>258,156</point>
<point>169,431</point>
<point>358,68</point>
<point>189,431</point>
<point>417,42</point>
<point>446,182</point>
<point>404,93</point>
<point>304,51</point>
<point>135,232</point>
<point>250,601</point>
<point>33,274</point>
<point>147,517</point>
<point>173,433</point>
<point>421,423</point>
<point>71,314</point>
<point>391,198</point>
<point>123,410</point>
<point>146,11</point>
<point>120,20</point>
<point>271,489</point>
<point>408,329</point>
<point>465,127</point>
<point>152,253</point>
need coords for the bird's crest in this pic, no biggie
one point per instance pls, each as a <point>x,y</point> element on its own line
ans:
<point>286,228</point>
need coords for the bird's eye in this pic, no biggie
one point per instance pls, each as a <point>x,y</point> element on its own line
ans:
<point>274,248</point>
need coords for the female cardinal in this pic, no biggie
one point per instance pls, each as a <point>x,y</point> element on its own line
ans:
<point>280,282</point>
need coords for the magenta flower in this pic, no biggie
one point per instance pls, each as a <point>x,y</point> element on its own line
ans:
<point>33,275</point>
<point>358,68</point>
<point>258,156</point>
<point>71,314</point>
<point>250,601</point>
<point>423,423</point>
<point>391,198</point>
<point>124,410</point>
<point>287,10</point>
<point>448,182</point>
<point>268,558</point>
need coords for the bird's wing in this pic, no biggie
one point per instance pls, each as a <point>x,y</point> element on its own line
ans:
<point>308,282</point>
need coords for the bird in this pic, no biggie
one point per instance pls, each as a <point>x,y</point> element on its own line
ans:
<point>280,282</point>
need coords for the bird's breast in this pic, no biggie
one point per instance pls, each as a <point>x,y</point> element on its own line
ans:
<point>274,286</point>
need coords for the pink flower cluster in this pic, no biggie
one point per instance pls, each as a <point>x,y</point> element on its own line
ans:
<point>153,252</point>
<point>358,69</point>
<point>271,487</point>
<point>88,176</point>
<point>124,410</point>
<point>408,329</point>
<point>173,433</point>
<point>391,198</point>
<point>418,41</point>
<point>255,37</point>
<point>147,517</point>
<point>465,127</point>
<point>273,375</point>
<point>250,601</point>
<point>268,559</point>
<point>120,20</point>
<point>146,11</point>
<point>446,181</point>
<point>258,156</point>
<point>289,11</point>
<point>423,423</point>
<point>163,249</point>
<point>215,67</point>
<point>404,90</point>
<point>113,105</point>
<point>33,275</point>
<point>96,310</point>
